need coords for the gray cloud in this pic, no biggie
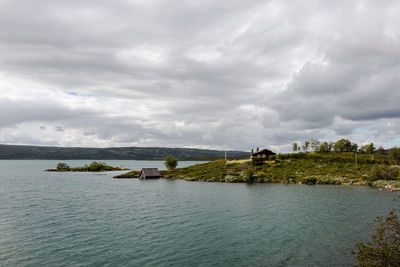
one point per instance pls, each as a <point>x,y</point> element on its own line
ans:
<point>18,111</point>
<point>177,73</point>
<point>59,129</point>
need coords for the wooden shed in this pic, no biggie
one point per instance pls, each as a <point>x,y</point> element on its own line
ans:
<point>149,173</point>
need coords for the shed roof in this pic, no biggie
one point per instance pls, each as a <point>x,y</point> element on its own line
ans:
<point>150,172</point>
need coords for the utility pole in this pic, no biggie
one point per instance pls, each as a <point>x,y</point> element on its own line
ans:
<point>225,149</point>
<point>356,158</point>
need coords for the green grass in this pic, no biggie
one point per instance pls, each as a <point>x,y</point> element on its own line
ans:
<point>383,183</point>
<point>131,174</point>
<point>214,171</point>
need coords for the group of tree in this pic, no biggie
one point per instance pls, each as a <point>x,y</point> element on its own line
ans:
<point>301,147</point>
<point>342,145</point>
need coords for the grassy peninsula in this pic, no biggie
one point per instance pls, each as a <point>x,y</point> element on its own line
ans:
<point>93,167</point>
<point>307,168</point>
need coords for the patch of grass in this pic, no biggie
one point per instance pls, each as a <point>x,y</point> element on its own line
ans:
<point>383,183</point>
<point>131,174</point>
<point>214,171</point>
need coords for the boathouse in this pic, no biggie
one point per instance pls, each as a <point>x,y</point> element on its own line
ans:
<point>264,153</point>
<point>148,173</point>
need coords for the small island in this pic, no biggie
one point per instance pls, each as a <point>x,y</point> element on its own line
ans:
<point>93,167</point>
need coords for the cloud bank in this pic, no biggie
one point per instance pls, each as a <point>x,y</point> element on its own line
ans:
<point>209,74</point>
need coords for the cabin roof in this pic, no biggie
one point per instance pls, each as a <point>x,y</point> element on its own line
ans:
<point>150,172</point>
<point>263,152</point>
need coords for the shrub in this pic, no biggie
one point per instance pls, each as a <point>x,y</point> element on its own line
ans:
<point>249,175</point>
<point>309,180</point>
<point>394,153</point>
<point>379,172</point>
<point>97,166</point>
<point>384,249</point>
<point>324,148</point>
<point>170,162</point>
<point>344,145</point>
<point>257,161</point>
<point>62,166</point>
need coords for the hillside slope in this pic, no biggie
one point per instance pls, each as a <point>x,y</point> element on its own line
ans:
<point>132,153</point>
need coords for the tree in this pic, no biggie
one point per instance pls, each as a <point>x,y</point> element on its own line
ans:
<point>170,162</point>
<point>305,146</point>
<point>97,166</point>
<point>354,147</point>
<point>384,249</point>
<point>331,145</point>
<point>62,166</point>
<point>394,153</point>
<point>324,148</point>
<point>370,149</point>
<point>381,151</point>
<point>295,147</point>
<point>363,149</point>
<point>314,144</point>
<point>343,145</point>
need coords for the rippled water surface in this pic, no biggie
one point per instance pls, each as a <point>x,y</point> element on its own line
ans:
<point>53,219</point>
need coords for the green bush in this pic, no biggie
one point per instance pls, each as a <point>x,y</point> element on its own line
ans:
<point>384,248</point>
<point>170,162</point>
<point>300,155</point>
<point>249,175</point>
<point>62,166</point>
<point>379,172</point>
<point>394,153</point>
<point>309,180</point>
<point>255,161</point>
<point>97,166</point>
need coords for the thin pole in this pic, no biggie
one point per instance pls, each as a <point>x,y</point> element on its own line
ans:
<point>225,149</point>
<point>356,159</point>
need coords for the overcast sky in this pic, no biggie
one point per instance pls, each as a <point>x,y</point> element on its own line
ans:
<point>173,73</point>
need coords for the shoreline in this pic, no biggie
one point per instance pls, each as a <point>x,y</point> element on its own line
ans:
<point>392,189</point>
<point>297,168</point>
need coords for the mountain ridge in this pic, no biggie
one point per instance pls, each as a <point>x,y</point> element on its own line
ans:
<point>109,153</point>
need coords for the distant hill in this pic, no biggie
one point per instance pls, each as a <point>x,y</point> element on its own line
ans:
<point>64,153</point>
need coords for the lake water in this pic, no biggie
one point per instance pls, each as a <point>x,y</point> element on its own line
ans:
<point>90,219</point>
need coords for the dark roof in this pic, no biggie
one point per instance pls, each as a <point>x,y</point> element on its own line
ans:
<point>150,172</point>
<point>263,152</point>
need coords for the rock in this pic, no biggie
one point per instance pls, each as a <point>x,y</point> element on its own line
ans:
<point>230,178</point>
